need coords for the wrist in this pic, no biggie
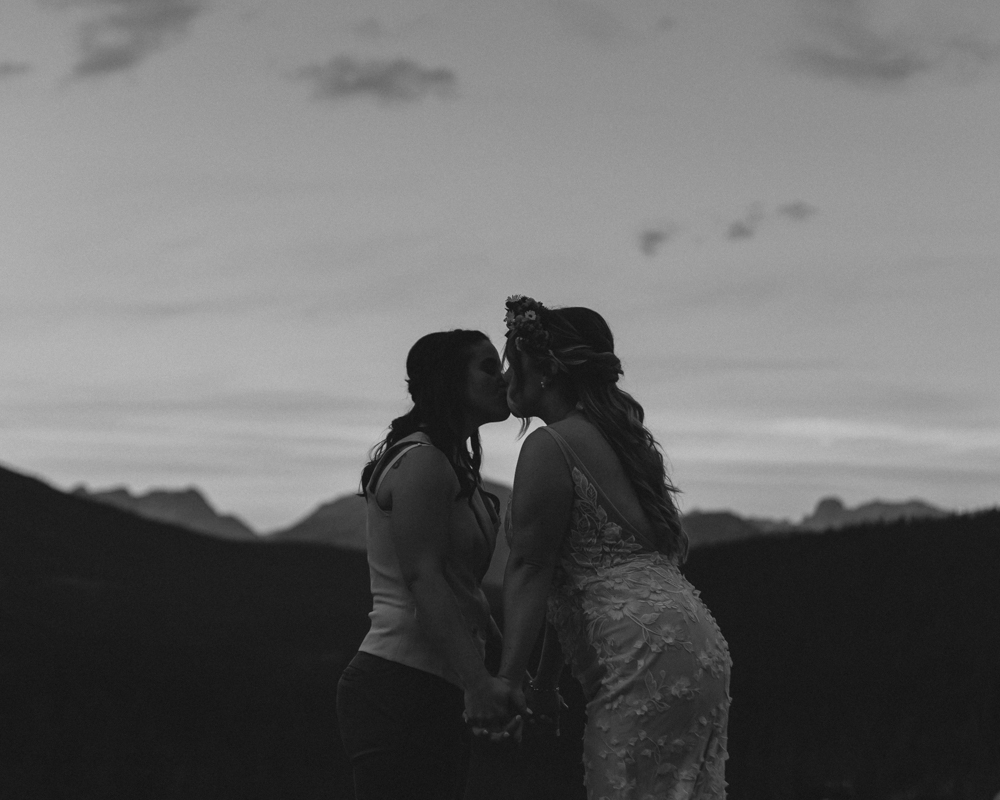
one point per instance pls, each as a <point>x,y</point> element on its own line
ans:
<point>476,681</point>
<point>509,678</point>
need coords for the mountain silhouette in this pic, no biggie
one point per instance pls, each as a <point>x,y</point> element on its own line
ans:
<point>140,659</point>
<point>185,507</point>
<point>713,527</point>
<point>831,513</point>
<point>341,522</point>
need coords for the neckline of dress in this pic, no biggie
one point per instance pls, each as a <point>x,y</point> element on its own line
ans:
<point>596,484</point>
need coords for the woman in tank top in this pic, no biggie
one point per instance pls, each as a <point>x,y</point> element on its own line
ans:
<point>430,538</point>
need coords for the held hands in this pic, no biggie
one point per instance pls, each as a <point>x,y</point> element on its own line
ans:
<point>495,709</point>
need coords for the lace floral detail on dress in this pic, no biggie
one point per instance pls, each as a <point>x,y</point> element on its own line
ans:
<point>650,656</point>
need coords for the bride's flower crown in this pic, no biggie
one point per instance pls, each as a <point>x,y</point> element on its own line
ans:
<point>524,324</point>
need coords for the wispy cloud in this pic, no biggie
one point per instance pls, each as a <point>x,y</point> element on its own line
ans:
<point>798,210</point>
<point>396,80</point>
<point>11,69</point>
<point>888,42</point>
<point>747,226</point>
<point>651,239</point>
<point>654,237</point>
<point>125,32</point>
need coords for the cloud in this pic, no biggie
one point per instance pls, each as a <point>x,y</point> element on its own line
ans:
<point>653,237</point>
<point>799,210</point>
<point>11,69</point>
<point>397,80</point>
<point>650,241</point>
<point>888,42</point>
<point>126,32</point>
<point>746,228</point>
<point>741,229</point>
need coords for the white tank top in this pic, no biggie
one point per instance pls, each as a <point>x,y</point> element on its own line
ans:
<point>395,632</point>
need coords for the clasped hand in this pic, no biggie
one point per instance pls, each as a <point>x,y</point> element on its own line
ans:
<point>498,709</point>
<point>495,710</point>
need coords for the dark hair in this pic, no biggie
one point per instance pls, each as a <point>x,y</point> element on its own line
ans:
<point>582,348</point>
<point>436,373</point>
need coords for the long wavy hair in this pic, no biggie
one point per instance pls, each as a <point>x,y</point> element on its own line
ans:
<point>436,377</point>
<point>582,348</point>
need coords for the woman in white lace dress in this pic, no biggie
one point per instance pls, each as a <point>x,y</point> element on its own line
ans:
<point>596,549</point>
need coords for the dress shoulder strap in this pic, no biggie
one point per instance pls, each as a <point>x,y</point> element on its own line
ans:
<point>571,458</point>
<point>574,462</point>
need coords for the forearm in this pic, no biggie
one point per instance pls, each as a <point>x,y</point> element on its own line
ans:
<point>442,622</point>
<point>525,591</point>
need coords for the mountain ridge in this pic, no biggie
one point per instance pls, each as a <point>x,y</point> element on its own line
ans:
<point>187,507</point>
<point>161,663</point>
<point>340,521</point>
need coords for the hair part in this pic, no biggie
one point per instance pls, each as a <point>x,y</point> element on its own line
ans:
<point>436,377</point>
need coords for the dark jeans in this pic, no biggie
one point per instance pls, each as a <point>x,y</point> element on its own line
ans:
<point>403,731</point>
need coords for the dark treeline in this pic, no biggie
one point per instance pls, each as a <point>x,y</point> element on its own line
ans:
<point>139,660</point>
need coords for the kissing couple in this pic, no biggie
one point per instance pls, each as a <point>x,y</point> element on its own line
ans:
<point>596,553</point>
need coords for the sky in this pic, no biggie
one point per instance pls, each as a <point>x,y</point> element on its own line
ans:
<point>224,222</point>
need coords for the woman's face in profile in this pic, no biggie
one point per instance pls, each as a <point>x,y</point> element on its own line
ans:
<point>524,386</point>
<point>486,389</point>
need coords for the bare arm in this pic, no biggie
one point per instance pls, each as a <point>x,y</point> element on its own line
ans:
<point>423,494</point>
<point>540,516</point>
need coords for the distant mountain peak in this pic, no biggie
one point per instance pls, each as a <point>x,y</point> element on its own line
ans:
<point>829,506</point>
<point>832,513</point>
<point>187,507</point>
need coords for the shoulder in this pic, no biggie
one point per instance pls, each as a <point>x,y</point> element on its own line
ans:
<point>541,463</point>
<point>541,446</point>
<point>543,485</point>
<point>576,429</point>
<point>422,469</point>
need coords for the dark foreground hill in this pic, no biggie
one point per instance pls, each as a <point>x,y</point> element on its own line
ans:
<point>139,660</point>
<point>867,661</point>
